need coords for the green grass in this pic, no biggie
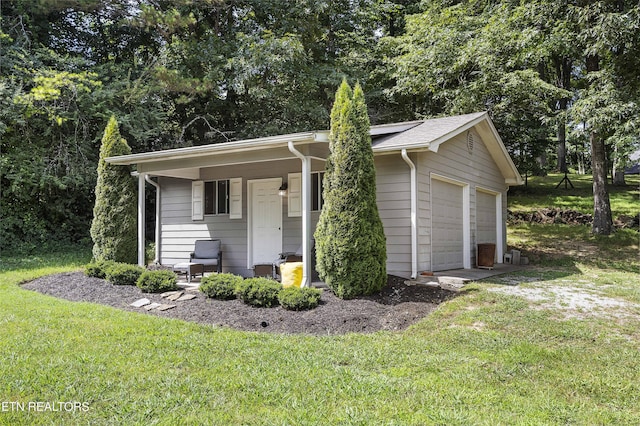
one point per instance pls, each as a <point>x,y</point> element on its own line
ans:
<point>482,358</point>
<point>541,193</point>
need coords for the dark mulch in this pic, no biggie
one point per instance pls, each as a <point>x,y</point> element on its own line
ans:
<point>395,308</point>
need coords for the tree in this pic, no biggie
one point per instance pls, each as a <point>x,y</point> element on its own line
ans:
<point>350,241</point>
<point>462,57</point>
<point>608,103</point>
<point>568,64</point>
<point>114,226</point>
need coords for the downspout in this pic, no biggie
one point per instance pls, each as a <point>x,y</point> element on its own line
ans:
<point>414,214</point>
<point>141,226</point>
<point>157,186</point>
<point>306,215</point>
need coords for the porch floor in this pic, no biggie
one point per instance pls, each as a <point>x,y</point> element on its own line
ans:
<point>455,275</point>
<point>476,274</point>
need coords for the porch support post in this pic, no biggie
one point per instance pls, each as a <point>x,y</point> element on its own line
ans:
<point>141,224</point>
<point>147,178</point>
<point>306,215</point>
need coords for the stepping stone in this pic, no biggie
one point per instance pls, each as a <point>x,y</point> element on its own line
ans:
<point>175,296</point>
<point>169,293</point>
<point>152,306</point>
<point>166,307</point>
<point>434,284</point>
<point>140,303</point>
<point>186,297</point>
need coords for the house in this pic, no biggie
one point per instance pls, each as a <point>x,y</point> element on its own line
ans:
<point>441,190</point>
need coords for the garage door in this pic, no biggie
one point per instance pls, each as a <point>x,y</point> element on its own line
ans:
<point>447,226</point>
<point>485,217</point>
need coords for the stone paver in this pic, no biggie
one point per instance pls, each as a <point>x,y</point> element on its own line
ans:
<point>151,306</point>
<point>165,307</point>
<point>175,296</point>
<point>140,303</point>
<point>186,297</point>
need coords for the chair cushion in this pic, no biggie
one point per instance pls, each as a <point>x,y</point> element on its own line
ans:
<point>206,262</point>
<point>206,249</point>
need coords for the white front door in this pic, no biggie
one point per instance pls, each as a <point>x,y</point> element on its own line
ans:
<point>265,222</point>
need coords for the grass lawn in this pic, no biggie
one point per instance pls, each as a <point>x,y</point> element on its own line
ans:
<point>490,356</point>
<point>541,193</point>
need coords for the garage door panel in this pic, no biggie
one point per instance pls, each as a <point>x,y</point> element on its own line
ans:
<point>447,225</point>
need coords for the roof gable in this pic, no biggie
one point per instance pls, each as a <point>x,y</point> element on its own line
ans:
<point>431,133</point>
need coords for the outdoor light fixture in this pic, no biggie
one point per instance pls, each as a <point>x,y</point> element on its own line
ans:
<point>283,189</point>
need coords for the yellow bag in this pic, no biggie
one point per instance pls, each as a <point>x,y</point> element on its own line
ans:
<point>291,273</point>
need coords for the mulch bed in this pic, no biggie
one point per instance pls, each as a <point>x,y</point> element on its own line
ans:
<point>397,307</point>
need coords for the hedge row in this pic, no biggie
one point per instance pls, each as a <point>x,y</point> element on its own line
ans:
<point>260,292</point>
<point>127,274</point>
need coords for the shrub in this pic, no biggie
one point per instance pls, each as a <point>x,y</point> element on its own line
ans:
<point>113,229</point>
<point>261,292</point>
<point>98,269</point>
<point>350,242</point>
<point>220,286</point>
<point>157,281</point>
<point>299,299</point>
<point>123,274</point>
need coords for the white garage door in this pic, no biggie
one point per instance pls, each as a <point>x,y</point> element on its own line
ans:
<point>447,226</point>
<point>486,217</point>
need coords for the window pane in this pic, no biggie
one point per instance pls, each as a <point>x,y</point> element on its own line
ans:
<point>321,189</point>
<point>209,198</point>
<point>314,192</point>
<point>223,196</point>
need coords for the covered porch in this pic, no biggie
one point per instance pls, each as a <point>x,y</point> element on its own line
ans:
<point>255,196</point>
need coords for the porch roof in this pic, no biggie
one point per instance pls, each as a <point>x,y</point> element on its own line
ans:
<point>417,135</point>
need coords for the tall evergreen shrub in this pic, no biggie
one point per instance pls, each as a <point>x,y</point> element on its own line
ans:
<point>350,242</point>
<point>114,225</point>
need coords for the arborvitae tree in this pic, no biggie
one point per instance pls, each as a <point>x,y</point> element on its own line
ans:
<point>350,241</point>
<point>114,225</point>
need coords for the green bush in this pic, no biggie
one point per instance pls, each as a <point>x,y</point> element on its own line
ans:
<point>157,281</point>
<point>113,229</point>
<point>98,269</point>
<point>220,286</point>
<point>123,274</point>
<point>350,242</point>
<point>261,292</point>
<point>299,299</point>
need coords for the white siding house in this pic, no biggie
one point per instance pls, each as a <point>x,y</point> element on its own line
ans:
<point>441,190</point>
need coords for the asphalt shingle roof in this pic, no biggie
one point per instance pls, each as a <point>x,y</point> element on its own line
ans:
<point>425,133</point>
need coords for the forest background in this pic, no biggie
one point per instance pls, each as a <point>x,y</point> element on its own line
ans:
<point>560,79</point>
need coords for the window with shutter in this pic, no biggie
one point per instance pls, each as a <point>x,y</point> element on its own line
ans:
<point>295,194</point>
<point>235,198</point>
<point>197,200</point>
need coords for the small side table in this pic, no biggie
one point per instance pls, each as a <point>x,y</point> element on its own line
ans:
<point>189,268</point>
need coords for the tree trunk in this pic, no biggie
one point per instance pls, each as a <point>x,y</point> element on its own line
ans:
<point>618,178</point>
<point>617,172</point>
<point>562,146</point>
<point>563,72</point>
<point>602,220</point>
